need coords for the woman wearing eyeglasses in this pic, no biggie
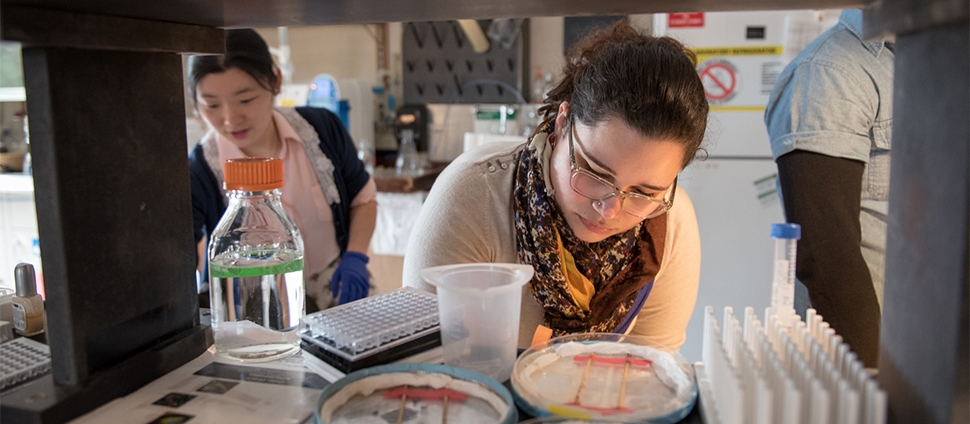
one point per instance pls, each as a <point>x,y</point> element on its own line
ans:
<point>591,201</point>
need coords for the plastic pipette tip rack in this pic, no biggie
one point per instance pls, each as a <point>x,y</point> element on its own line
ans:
<point>373,330</point>
<point>773,373</point>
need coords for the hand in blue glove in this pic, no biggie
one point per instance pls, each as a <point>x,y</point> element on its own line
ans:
<point>350,280</point>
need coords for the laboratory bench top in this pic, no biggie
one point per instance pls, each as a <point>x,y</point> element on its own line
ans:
<point>213,389</point>
<point>389,182</point>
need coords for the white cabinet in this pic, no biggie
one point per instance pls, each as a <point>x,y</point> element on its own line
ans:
<point>736,203</point>
<point>12,94</point>
<point>18,227</point>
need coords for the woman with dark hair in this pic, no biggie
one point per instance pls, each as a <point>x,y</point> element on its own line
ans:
<point>591,200</point>
<point>327,192</point>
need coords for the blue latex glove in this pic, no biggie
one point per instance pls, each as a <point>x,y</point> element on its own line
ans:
<point>350,280</point>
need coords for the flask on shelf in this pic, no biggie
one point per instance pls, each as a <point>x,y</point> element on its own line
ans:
<point>538,87</point>
<point>28,306</point>
<point>408,161</point>
<point>541,85</point>
<point>256,266</point>
<point>367,154</point>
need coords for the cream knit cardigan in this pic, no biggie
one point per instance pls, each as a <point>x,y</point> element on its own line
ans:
<point>467,218</point>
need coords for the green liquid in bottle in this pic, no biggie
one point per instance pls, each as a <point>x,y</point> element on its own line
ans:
<point>256,309</point>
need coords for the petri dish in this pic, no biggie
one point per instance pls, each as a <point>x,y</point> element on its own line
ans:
<point>415,393</point>
<point>605,377</point>
<point>263,352</point>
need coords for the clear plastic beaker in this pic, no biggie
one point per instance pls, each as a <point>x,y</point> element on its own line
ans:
<point>478,308</point>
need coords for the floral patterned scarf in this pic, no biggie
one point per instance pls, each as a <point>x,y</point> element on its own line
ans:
<point>612,270</point>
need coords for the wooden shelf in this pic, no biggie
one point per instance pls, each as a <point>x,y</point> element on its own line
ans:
<point>389,183</point>
<point>263,13</point>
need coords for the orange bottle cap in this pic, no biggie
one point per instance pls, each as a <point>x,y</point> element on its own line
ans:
<point>253,174</point>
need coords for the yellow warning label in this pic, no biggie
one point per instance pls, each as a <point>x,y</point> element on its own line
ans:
<point>736,108</point>
<point>703,53</point>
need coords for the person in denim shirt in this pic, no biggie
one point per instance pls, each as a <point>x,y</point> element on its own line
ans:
<point>829,120</point>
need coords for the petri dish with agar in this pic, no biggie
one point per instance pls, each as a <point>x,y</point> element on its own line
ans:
<point>415,393</point>
<point>605,377</point>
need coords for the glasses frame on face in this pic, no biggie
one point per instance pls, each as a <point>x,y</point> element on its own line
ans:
<point>664,204</point>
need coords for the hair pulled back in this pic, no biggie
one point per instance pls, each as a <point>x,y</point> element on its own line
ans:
<point>246,51</point>
<point>649,82</point>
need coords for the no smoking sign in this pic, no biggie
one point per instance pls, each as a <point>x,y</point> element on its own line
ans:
<point>721,80</point>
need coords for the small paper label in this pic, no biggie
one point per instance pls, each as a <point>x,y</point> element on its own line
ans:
<point>19,317</point>
<point>686,20</point>
<point>782,287</point>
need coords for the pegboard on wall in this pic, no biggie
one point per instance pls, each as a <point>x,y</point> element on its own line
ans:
<point>440,65</point>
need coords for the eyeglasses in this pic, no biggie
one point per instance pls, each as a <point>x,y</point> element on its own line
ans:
<point>594,187</point>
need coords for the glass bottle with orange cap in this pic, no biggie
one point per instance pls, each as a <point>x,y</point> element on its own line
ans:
<point>256,266</point>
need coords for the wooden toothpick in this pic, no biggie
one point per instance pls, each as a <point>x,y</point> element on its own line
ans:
<point>444,414</point>
<point>400,412</point>
<point>626,370</point>
<point>582,382</point>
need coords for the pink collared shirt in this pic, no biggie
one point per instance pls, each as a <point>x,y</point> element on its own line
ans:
<point>303,199</point>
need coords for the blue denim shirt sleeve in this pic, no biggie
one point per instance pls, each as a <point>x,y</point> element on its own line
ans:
<point>835,98</point>
<point>821,108</point>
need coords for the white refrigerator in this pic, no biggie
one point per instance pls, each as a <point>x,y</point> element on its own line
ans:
<point>740,55</point>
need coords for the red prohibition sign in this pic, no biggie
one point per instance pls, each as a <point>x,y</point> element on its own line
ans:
<point>722,77</point>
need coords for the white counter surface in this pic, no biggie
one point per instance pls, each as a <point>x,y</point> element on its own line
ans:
<point>211,389</point>
<point>16,183</point>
